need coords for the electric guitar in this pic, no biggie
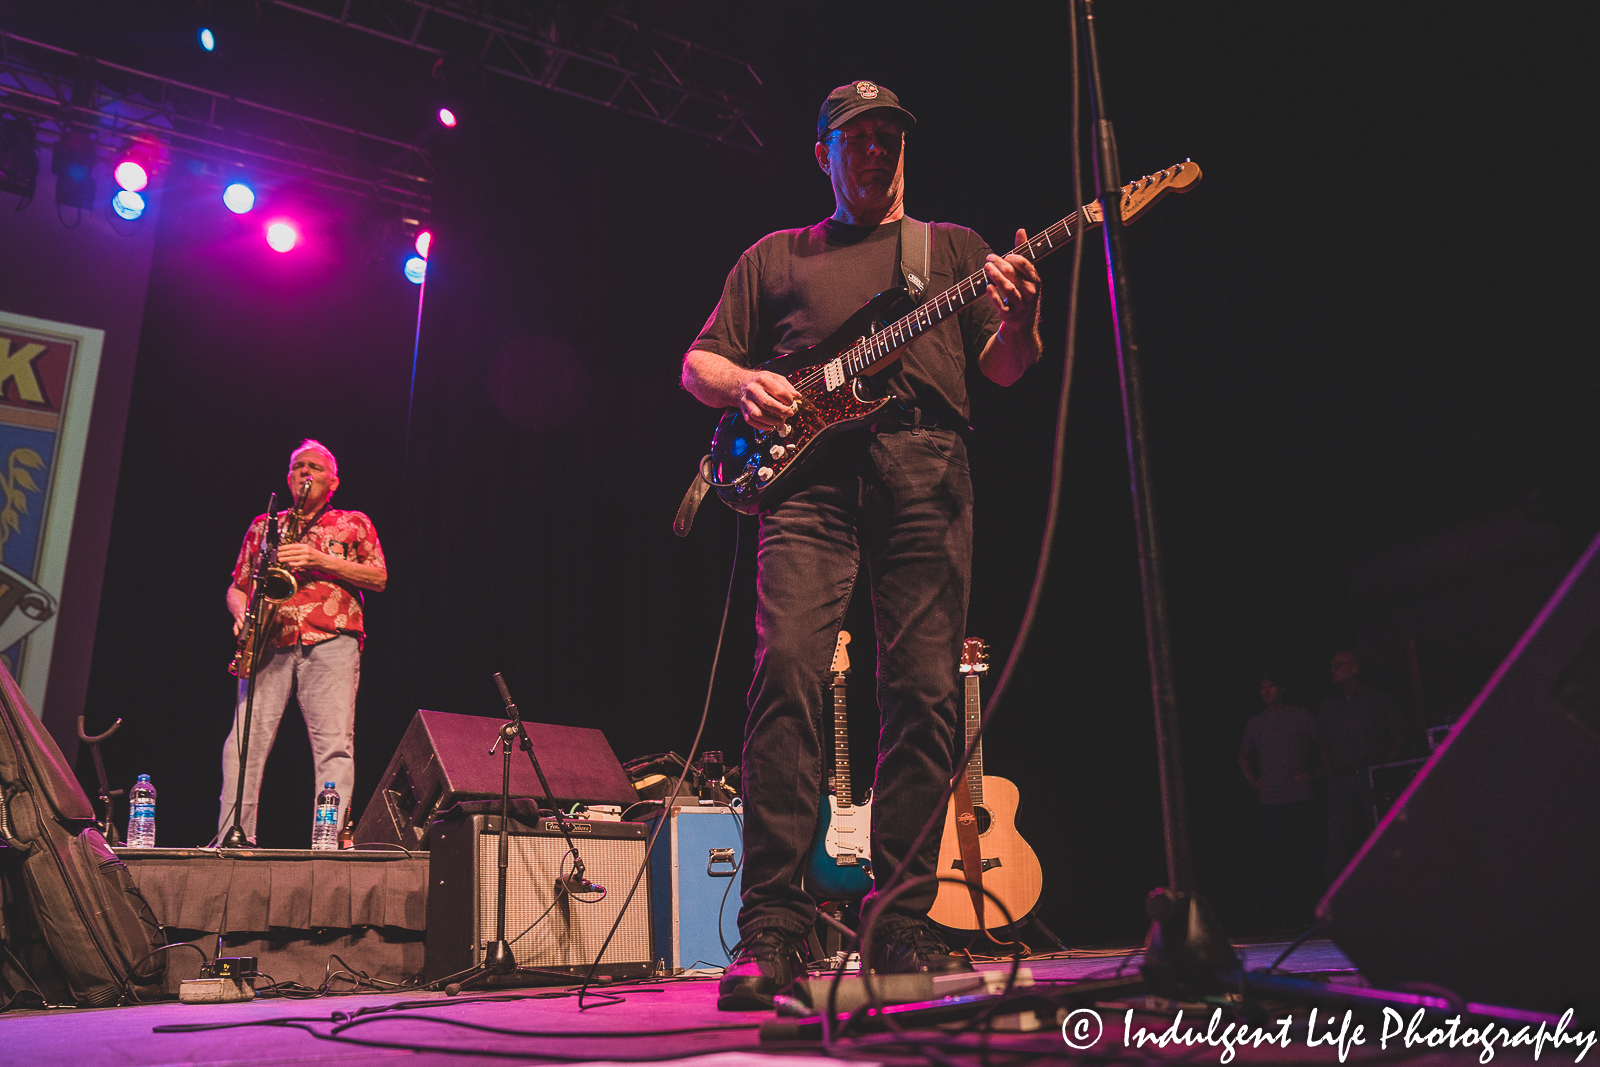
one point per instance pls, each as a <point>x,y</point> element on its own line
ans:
<point>840,865</point>
<point>835,377</point>
<point>1010,870</point>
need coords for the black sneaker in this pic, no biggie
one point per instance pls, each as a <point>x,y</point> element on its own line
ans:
<point>763,964</point>
<point>915,949</point>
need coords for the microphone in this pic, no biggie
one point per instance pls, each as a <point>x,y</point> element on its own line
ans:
<point>576,884</point>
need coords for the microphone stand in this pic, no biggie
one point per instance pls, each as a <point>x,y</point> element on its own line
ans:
<point>235,837</point>
<point>498,959</point>
<point>1185,949</point>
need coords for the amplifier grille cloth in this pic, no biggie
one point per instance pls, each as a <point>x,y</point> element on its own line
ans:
<point>573,931</point>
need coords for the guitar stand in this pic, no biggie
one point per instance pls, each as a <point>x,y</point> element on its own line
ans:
<point>108,828</point>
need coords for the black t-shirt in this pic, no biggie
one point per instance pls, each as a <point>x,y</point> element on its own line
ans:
<point>792,289</point>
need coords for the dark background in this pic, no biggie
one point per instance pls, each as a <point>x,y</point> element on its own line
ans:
<point>1361,331</point>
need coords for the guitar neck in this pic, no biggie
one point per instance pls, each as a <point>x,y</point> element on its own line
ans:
<point>841,744</point>
<point>874,348</point>
<point>974,716</point>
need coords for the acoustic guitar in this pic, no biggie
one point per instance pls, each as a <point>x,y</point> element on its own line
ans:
<point>840,864</point>
<point>1010,870</point>
<point>836,377</point>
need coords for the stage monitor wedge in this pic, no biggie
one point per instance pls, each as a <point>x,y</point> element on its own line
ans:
<point>445,758</point>
<point>1484,876</point>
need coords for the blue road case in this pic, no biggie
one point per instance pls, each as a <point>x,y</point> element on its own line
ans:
<point>694,875</point>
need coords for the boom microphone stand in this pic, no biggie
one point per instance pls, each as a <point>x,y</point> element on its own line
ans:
<point>1185,949</point>
<point>498,959</point>
<point>235,837</point>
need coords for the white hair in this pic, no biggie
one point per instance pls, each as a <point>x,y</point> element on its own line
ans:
<point>312,443</point>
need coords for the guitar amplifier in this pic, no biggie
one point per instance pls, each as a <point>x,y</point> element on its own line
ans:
<point>694,869</point>
<point>555,935</point>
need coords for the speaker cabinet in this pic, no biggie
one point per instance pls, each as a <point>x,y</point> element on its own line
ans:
<point>445,758</point>
<point>555,935</point>
<point>1484,875</point>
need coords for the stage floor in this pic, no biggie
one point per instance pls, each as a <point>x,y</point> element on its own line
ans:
<point>648,1021</point>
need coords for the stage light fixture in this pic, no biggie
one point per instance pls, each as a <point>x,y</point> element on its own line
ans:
<point>128,204</point>
<point>239,198</point>
<point>416,270</point>
<point>19,157</point>
<point>131,175</point>
<point>72,162</point>
<point>208,40</point>
<point>447,118</point>
<point>424,242</point>
<point>282,236</point>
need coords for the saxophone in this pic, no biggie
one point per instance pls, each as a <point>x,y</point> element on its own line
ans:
<point>276,586</point>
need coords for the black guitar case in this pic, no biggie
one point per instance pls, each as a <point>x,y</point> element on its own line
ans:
<point>74,927</point>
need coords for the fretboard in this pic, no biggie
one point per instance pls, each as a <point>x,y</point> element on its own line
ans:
<point>841,744</point>
<point>875,347</point>
<point>974,715</point>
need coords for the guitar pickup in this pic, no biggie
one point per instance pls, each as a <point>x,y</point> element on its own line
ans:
<point>833,374</point>
<point>988,864</point>
<point>846,859</point>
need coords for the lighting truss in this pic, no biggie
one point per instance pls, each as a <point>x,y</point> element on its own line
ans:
<point>614,61</point>
<point>62,88</point>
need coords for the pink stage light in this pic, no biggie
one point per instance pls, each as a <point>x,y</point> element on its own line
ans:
<point>424,242</point>
<point>131,176</point>
<point>282,236</point>
<point>447,118</point>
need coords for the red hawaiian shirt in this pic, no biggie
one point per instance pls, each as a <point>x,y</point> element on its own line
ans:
<point>322,607</point>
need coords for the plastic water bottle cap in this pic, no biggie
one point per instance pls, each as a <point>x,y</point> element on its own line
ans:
<point>327,785</point>
<point>144,778</point>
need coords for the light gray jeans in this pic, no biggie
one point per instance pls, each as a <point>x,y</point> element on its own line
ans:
<point>324,678</point>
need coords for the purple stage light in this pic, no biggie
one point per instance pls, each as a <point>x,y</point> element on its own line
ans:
<point>424,242</point>
<point>208,40</point>
<point>416,270</point>
<point>131,176</point>
<point>239,198</point>
<point>282,236</point>
<point>447,118</point>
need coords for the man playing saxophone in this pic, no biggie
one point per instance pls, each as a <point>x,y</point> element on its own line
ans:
<point>311,647</point>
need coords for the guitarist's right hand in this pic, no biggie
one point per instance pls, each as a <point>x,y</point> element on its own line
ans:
<point>766,399</point>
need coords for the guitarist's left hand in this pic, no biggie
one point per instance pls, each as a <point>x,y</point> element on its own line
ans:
<point>1014,290</point>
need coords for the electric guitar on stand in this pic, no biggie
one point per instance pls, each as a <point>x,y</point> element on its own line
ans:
<point>1005,864</point>
<point>840,866</point>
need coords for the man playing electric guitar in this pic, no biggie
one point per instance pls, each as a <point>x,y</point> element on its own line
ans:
<point>892,500</point>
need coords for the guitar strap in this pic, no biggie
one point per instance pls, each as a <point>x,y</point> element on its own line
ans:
<point>916,254</point>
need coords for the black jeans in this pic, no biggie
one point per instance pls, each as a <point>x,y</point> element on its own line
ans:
<point>896,506</point>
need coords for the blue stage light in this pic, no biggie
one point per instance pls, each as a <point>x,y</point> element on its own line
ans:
<point>208,40</point>
<point>239,198</point>
<point>128,204</point>
<point>416,270</point>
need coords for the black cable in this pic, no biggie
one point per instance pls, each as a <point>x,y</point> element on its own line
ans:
<point>694,746</point>
<point>1296,943</point>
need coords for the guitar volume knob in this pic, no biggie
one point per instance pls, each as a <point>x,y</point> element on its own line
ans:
<point>764,474</point>
<point>778,452</point>
<point>784,430</point>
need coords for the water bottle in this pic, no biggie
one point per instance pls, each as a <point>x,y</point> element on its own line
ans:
<point>142,814</point>
<point>325,825</point>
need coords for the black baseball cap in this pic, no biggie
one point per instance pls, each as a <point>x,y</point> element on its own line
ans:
<point>848,101</point>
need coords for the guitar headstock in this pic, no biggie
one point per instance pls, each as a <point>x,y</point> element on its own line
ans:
<point>841,658</point>
<point>974,656</point>
<point>1140,196</point>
